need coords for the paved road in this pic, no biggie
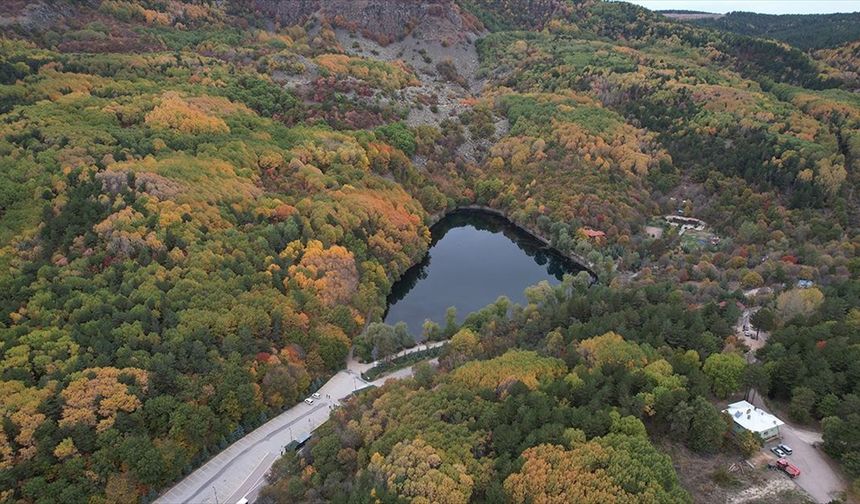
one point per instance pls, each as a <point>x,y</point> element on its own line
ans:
<point>239,470</point>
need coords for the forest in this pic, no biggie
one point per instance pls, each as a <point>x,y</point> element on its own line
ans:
<point>804,31</point>
<point>203,208</point>
<point>521,407</point>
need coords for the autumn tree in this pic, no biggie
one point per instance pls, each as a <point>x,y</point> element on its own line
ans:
<point>98,394</point>
<point>611,348</point>
<point>330,272</point>
<point>175,112</point>
<point>415,470</point>
<point>798,303</point>
<point>515,365</point>
<point>598,471</point>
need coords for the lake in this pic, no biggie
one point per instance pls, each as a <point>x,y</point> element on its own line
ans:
<point>474,258</point>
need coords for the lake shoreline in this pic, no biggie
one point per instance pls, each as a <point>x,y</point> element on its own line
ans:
<point>474,208</point>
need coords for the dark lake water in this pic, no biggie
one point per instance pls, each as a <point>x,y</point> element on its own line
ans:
<point>474,258</point>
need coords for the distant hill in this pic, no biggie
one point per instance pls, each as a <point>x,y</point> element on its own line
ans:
<point>846,59</point>
<point>687,15</point>
<point>805,31</point>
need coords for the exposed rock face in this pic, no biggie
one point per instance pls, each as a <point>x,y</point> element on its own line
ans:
<point>382,20</point>
<point>31,15</point>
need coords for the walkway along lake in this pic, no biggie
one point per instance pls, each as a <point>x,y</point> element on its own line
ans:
<point>475,256</point>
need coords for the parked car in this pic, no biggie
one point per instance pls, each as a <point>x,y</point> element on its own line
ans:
<point>315,395</point>
<point>787,467</point>
<point>778,452</point>
<point>785,448</point>
<point>309,400</point>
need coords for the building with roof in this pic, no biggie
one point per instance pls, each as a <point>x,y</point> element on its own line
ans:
<point>592,233</point>
<point>746,417</point>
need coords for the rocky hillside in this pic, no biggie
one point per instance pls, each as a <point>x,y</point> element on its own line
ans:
<point>382,21</point>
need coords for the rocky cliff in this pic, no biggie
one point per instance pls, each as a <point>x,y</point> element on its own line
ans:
<point>382,20</point>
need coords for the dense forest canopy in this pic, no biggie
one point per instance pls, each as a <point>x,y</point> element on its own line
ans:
<point>203,206</point>
<point>804,31</point>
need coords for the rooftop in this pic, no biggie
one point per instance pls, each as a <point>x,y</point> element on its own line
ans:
<point>751,418</point>
<point>592,233</point>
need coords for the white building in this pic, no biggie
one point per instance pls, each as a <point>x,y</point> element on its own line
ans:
<point>747,417</point>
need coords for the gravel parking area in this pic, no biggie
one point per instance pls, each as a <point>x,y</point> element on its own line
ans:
<point>819,475</point>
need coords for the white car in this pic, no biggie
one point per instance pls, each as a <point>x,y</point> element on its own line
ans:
<point>315,395</point>
<point>309,400</point>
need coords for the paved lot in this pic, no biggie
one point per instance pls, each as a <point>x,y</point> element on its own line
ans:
<point>238,471</point>
<point>819,474</point>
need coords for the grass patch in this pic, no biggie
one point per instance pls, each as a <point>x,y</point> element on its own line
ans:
<point>722,477</point>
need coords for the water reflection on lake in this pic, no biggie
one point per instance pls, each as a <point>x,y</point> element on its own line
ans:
<point>474,258</point>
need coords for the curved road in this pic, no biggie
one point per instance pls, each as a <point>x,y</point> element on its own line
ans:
<point>240,469</point>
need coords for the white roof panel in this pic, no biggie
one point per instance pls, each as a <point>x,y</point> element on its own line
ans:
<point>751,418</point>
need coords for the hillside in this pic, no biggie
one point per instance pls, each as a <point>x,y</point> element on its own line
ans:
<point>804,31</point>
<point>202,206</point>
<point>689,15</point>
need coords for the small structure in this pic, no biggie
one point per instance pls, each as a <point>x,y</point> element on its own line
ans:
<point>805,284</point>
<point>654,232</point>
<point>686,223</point>
<point>747,417</point>
<point>296,443</point>
<point>592,233</point>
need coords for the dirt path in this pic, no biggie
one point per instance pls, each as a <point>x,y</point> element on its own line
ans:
<point>752,337</point>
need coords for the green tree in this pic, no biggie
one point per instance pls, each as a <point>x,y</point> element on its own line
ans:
<point>763,319</point>
<point>724,370</point>
<point>431,331</point>
<point>451,325</point>
<point>400,136</point>
<point>748,443</point>
<point>802,403</point>
<point>707,427</point>
<point>756,377</point>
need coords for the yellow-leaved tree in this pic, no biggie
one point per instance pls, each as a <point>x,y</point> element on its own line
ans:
<point>416,470</point>
<point>331,272</point>
<point>96,395</point>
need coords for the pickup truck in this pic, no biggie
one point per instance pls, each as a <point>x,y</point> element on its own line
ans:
<point>787,467</point>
